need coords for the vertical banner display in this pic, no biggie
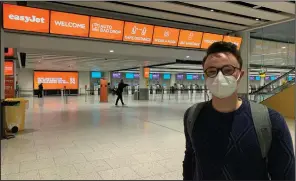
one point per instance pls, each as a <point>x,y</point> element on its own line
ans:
<point>190,39</point>
<point>165,36</point>
<point>146,72</point>
<point>8,52</point>
<point>209,38</point>
<point>56,80</point>
<point>106,28</point>
<point>235,40</point>
<point>69,24</point>
<point>9,79</point>
<point>25,18</point>
<point>8,68</point>
<point>139,33</point>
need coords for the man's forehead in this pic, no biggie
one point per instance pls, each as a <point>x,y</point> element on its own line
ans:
<point>220,55</point>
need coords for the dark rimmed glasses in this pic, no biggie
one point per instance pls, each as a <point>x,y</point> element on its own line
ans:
<point>226,70</point>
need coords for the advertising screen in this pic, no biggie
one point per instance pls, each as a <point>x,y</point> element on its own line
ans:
<point>129,75</point>
<point>189,77</point>
<point>195,76</point>
<point>155,76</point>
<point>190,39</point>
<point>235,40</point>
<point>252,78</point>
<point>257,78</point>
<point>69,24</point>
<point>116,75</point>
<point>136,75</point>
<point>166,76</point>
<point>272,78</point>
<point>56,80</point>
<point>209,38</point>
<point>180,76</point>
<point>165,36</point>
<point>106,28</point>
<point>290,78</point>
<point>139,33</point>
<point>8,68</point>
<point>25,18</point>
<point>267,78</point>
<point>96,75</point>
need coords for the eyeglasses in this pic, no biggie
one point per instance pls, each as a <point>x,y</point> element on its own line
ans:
<point>226,70</point>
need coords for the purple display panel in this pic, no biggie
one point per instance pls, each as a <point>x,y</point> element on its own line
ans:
<point>252,78</point>
<point>136,75</point>
<point>116,75</point>
<point>267,78</point>
<point>195,76</point>
<point>180,76</point>
<point>155,76</point>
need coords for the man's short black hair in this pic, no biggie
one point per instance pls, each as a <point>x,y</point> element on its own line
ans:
<point>224,47</point>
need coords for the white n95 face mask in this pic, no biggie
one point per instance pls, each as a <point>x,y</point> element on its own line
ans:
<point>222,86</point>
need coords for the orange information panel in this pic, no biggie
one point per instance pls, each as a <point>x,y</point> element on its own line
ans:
<point>235,40</point>
<point>8,68</point>
<point>209,38</point>
<point>25,18</point>
<point>190,39</point>
<point>106,28</point>
<point>139,33</point>
<point>69,24</point>
<point>165,36</point>
<point>56,80</point>
<point>146,72</point>
<point>9,53</point>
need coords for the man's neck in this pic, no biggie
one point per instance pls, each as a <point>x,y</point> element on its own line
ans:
<point>228,104</point>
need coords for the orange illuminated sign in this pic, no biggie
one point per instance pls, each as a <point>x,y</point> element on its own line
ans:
<point>146,72</point>
<point>190,39</point>
<point>25,18</point>
<point>9,52</point>
<point>209,38</point>
<point>8,68</point>
<point>139,33</point>
<point>69,24</point>
<point>165,36</point>
<point>56,80</point>
<point>235,40</point>
<point>106,28</point>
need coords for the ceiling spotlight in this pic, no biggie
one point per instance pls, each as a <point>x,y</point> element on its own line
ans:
<point>111,51</point>
<point>187,56</point>
<point>257,19</point>
<point>283,47</point>
<point>212,10</point>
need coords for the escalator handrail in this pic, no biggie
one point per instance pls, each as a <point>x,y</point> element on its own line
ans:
<point>270,83</point>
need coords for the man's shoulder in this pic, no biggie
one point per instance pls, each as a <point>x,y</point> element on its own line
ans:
<point>277,120</point>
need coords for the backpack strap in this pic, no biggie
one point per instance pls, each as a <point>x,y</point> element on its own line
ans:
<point>192,115</point>
<point>262,126</point>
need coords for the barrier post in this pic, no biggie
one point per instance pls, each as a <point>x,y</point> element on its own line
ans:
<point>85,87</point>
<point>103,90</point>
<point>162,92</point>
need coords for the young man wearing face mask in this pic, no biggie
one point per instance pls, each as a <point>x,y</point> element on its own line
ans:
<point>222,142</point>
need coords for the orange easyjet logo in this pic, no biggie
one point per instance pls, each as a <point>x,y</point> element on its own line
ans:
<point>69,24</point>
<point>25,18</point>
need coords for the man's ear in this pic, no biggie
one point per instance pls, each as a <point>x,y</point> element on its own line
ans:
<point>242,73</point>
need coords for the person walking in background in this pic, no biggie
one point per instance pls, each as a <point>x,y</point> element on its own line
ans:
<point>230,138</point>
<point>119,92</point>
<point>40,90</point>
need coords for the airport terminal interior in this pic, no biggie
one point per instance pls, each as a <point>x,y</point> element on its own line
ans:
<point>71,129</point>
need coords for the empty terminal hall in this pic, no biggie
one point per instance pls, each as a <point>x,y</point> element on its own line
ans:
<point>143,90</point>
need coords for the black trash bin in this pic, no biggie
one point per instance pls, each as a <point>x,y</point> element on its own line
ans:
<point>4,104</point>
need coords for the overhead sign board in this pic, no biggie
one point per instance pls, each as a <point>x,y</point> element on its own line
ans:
<point>235,40</point>
<point>190,39</point>
<point>69,24</point>
<point>25,18</point>
<point>8,68</point>
<point>135,32</point>
<point>106,28</point>
<point>165,36</point>
<point>209,38</point>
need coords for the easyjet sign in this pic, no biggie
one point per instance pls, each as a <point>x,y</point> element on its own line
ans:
<point>25,18</point>
<point>69,24</point>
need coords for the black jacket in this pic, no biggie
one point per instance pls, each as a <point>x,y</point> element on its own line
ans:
<point>120,88</point>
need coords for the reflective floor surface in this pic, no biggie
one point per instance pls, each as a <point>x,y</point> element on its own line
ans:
<point>82,139</point>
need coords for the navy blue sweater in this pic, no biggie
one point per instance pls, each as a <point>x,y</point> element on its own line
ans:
<point>225,147</point>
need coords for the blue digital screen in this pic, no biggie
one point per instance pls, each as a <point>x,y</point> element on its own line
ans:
<point>96,75</point>
<point>166,76</point>
<point>272,78</point>
<point>290,78</point>
<point>150,76</point>
<point>202,77</point>
<point>252,78</point>
<point>129,75</point>
<point>189,77</point>
<point>258,78</point>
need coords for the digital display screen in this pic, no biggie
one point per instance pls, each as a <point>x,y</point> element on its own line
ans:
<point>116,75</point>
<point>202,77</point>
<point>195,76</point>
<point>252,78</point>
<point>96,75</point>
<point>136,75</point>
<point>272,77</point>
<point>155,76</point>
<point>166,76</point>
<point>290,78</point>
<point>267,78</point>
<point>180,76</point>
<point>258,78</point>
<point>189,77</point>
<point>129,75</point>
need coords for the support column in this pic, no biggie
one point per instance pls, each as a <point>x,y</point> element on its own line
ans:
<point>143,88</point>
<point>173,79</point>
<point>243,87</point>
<point>107,76</point>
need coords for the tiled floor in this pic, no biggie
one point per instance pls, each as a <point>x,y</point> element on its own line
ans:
<point>88,140</point>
